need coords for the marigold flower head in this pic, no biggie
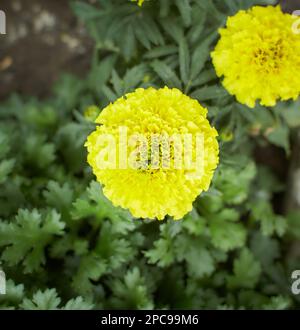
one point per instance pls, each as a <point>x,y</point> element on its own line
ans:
<point>258,55</point>
<point>153,185</point>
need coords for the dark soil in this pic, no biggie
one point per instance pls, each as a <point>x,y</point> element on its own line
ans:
<point>43,39</point>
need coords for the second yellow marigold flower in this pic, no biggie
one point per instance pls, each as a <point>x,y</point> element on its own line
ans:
<point>259,56</point>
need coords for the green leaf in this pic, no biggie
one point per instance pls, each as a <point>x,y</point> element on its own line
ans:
<point>141,37</point>
<point>195,32</point>
<point>184,60</point>
<point>26,238</point>
<point>291,114</point>
<point>270,223</point>
<point>131,293</point>
<point>231,5</point>
<point>161,51</point>
<point>246,271</point>
<point>234,183</point>
<point>172,27</point>
<point>91,267</point>
<point>47,300</point>
<point>78,303</point>
<point>6,167</point>
<point>67,90</point>
<point>162,253</point>
<point>117,83</point>
<point>185,10</point>
<point>151,30</point>
<point>265,249</point>
<point>276,223</point>
<point>100,73</point>
<point>109,93</point>
<point>198,258</point>
<point>278,303</point>
<point>14,295</point>
<point>225,234</point>
<point>194,223</point>
<point>134,76</point>
<point>85,11</point>
<point>128,45</point>
<point>114,250</point>
<point>70,141</point>
<point>199,262</point>
<point>212,10</point>
<point>199,58</point>
<point>293,227</point>
<point>37,152</point>
<point>205,77</point>
<point>280,137</point>
<point>166,74</point>
<point>59,196</point>
<point>4,144</point>
<point>164,8</point>
<point>209,93</point>
<point>94,203</point>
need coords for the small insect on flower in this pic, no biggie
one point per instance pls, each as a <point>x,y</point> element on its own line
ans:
<point>258,55</point>
<point>154,151</point>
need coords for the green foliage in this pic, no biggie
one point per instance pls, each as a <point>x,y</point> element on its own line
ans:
<point>49,300</point>
<point>130,292</point>
<point>25,238</point>
<point>246,271</point>
<point>63,245</point>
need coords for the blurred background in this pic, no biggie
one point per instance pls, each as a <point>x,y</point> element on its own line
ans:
<point>44,38</point>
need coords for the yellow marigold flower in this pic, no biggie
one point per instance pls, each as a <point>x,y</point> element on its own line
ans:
<point>149,185</point>
<point>258,55</point>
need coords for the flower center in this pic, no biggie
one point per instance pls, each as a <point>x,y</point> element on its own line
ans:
<point>268,59</point>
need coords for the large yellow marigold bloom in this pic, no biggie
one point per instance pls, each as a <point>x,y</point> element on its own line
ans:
<point>259,56</point>
<point>153,192</point>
